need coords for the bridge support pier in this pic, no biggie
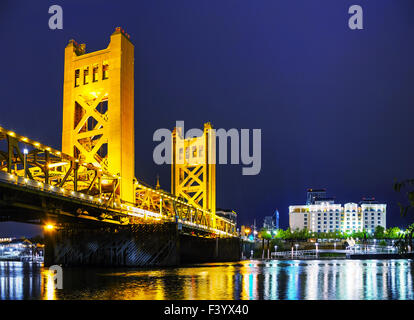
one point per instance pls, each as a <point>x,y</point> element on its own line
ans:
<point>138,245</point>
<point>148,245</point>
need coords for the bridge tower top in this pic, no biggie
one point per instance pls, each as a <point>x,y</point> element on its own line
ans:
<point>193,168</point>
<point>98,108</point>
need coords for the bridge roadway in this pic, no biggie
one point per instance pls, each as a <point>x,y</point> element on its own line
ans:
<point>31,201</point>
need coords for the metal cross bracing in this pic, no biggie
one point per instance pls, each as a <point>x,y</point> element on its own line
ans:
<point>28,164</point>
<point>177,209</point>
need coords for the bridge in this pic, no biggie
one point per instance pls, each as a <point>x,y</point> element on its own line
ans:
<point>90,183</point>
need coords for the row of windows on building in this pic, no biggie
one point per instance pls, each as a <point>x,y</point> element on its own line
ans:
<point>342,223</point>
<point>347,211</point>
<point>348,219</point>
<point>95,74</point>
<point>353,215</point>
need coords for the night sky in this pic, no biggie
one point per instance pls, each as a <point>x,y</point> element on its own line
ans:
<point>335,106</point>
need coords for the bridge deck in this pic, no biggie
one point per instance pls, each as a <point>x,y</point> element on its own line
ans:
<point>82,206</point>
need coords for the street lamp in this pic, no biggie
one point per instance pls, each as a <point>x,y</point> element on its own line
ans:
<point>25,152</point>
<point>296,245</point>
<point>247,231</point>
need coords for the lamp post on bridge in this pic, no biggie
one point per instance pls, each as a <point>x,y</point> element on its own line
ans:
<point>25,152</point>
<point>161,207</point>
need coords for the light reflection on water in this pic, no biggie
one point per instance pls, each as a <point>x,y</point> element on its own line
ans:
<point>249,280</point>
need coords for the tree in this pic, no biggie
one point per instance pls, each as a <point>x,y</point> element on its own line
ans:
<point>405,241</point>
<point>392,233</point>
<point>398,186</point>
<point>265,234</point>
<point>379,232</point>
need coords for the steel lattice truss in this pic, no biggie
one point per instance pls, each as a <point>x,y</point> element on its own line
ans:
<point>31,164</point>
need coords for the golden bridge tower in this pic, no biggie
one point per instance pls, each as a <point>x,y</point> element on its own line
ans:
<point>193,168</point>
<point>98,108</point>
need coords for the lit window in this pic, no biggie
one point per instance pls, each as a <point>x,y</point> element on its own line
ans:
<point>86,75</point>
<point>200,151</point>
<point>180,154</point>
<point>77,74</point>
<point>105,70</point>
<point>194,151</point>
<point>95,73</point>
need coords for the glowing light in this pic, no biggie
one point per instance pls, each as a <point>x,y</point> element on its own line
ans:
<point>49,227</point>
<point>25,151</point>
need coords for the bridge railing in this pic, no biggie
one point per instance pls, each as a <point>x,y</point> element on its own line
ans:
<point>295,253</point>
<point>371,249</point>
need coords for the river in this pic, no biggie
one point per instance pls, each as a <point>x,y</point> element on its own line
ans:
<point>249,280</point>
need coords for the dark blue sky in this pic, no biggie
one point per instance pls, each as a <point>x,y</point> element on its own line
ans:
<point>335,106</point>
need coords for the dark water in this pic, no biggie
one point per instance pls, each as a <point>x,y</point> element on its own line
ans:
<point>293,279</point>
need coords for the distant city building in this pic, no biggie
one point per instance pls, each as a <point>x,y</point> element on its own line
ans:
<point>228,214</point>
<point>326,216</point>
<point>316,196</point>
<point>271,222</point>
<point>277,218</point>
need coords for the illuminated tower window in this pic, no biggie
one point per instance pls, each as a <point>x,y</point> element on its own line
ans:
<point>95,73</point>
<point>200,151</point>
<point>180,154</point>
<point>77,74</point>
<point>105,70</point>
<point>86,75</point>
<point>194,151</point>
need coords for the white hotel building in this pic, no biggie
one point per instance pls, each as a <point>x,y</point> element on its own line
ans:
<point>326,216</point>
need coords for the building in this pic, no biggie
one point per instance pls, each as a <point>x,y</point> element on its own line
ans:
<point>271,222</point>
<point>326,216</point>
<point>314,196</point>
<point>227,214</point>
